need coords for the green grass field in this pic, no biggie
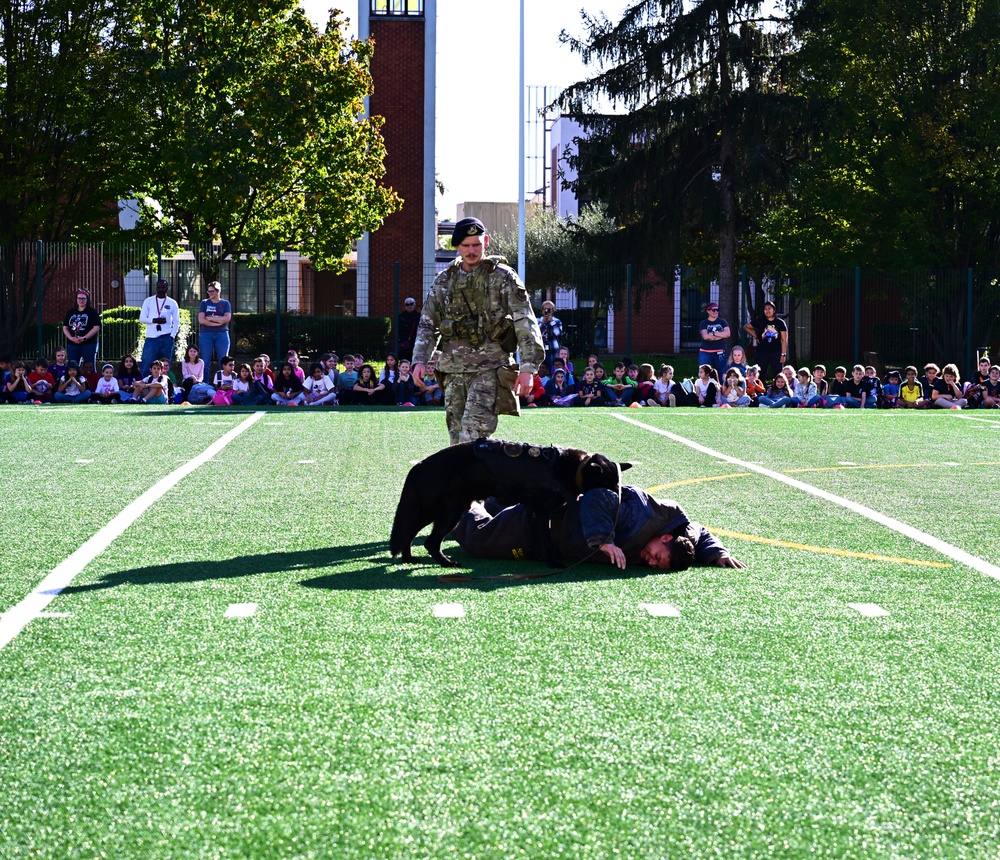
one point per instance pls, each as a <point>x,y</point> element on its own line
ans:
<point>557,718</point>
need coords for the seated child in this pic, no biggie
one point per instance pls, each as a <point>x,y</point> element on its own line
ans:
<point>17,389</point>
<point>536,397</point>
<point>72,387</point>
<point>128,375</point>
<point>706,386</point>
<point>430,388</point>
<point>951,397</point>
<point>242,387</point>
<point>618,390</point>
<point>348,379</point>
<point>367,389</point>
<point>288,389</point>
<point>43,386</point>
<point>911,392</point>
<point>318,388</point>
<point>644,383</point>
<point>106,388</point>
<point>734,389</point>
<point>755,388</point>
<point>805,389</point>
<point>588,390</point>
<point>991,389</point>
<point>665,390</point>
<point>890,390</point>
<point>557,390</point>
<point>58,367</point>
<point>155,388</point>
<point>405,387</point>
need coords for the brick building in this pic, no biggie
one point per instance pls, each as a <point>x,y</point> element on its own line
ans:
<point>403,71</point>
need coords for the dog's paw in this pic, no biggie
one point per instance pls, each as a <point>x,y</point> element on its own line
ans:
<point>444,561</point>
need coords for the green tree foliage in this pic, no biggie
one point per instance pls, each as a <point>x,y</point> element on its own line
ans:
<point>700,131</point>
<point>556,250</point>
<point>254,124</point>
<point>906,169</point>
<point>67,101</point>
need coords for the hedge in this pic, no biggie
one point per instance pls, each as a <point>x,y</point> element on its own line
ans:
<point>310,335</point>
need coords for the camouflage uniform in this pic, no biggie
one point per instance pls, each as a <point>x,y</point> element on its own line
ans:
<point>466,313</point>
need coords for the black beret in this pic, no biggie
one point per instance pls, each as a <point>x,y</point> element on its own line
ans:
<point>465,228</point>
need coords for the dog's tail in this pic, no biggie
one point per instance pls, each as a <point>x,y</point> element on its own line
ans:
<point>406,523</point>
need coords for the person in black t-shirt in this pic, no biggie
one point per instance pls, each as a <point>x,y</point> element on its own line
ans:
<point>81,326</point>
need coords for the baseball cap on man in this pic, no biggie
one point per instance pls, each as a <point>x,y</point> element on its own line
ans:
<point>465,228</point>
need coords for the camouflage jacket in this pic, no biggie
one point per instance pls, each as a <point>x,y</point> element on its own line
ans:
<point>465,312</point>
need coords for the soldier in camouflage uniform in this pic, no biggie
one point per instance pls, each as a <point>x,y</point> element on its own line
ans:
<point>478,312</point>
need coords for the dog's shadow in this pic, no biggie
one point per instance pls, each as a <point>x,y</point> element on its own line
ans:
<point>341,571</point>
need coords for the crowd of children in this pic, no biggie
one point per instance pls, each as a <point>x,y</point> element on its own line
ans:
<point>326,384</point>
<point>251,384</point>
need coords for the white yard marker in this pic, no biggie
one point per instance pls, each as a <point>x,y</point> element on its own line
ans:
<point>846,463</point>
<point>950,463</point>
<point>19,616</point>
<point>661,610</point>
<point>84,462</point>
<point>946,549</point>
<point>869,610</point>
<point>448,610</point>
<point>55,614</point>
<point>240,610</point>
<point>306,462</point>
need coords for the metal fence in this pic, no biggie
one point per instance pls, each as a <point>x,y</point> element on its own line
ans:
<point>833,315</point>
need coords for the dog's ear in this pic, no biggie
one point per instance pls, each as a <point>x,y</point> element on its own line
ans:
<point>624,466</point>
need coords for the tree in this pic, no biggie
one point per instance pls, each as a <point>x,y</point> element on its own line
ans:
<point>906,171</point>
<point>255,129</point>
<point>67,103</point>
<point>705,132</point>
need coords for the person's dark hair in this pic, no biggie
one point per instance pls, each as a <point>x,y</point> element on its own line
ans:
<point>681,553</point>
<point>121,364</point>
<point>226,359</point>
<point>41,362</point>
<point>314,367</point>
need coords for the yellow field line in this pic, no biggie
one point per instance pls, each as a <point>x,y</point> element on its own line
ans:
<point>689,481</point>
<point>825,550</point>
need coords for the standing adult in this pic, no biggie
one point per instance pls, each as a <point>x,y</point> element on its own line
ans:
<point>771,336</point>
<point>478,312</point>
<point>82,326</point>
<point>214,315</point>
<point>162,319</point>
<point>551,328</point>
<point>715,336</point>
<point>406,328</point>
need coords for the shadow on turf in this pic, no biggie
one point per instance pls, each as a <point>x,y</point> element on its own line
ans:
<point>383,574</point>
<point>232,568</point>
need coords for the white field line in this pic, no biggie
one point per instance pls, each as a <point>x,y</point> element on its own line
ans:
<point>983,420</point>
<point>869,610</point>
<point>946,549</point>
<point>661,610</point>
<point>240,610</point>
<point>448,610</point>
<point>14,620</point>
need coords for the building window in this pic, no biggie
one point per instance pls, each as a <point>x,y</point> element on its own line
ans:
<point>397,7</point>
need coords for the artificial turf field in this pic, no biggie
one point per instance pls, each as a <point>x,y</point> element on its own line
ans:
<point>558,717</point>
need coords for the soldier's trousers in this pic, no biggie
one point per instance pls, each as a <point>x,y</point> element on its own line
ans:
<point>470,405</point>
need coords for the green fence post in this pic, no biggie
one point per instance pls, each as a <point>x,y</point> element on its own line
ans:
<point>969,348</point>
<point>744,315</point>
<point>277,306</point>
<point>38,281</point>
<point>395,294</point>
<point>857,314</point>
<point>628,311</point>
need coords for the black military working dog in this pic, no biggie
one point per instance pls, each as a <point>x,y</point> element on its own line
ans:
<point>440,488</point>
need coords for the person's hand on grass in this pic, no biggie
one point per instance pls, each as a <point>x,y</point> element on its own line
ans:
<point>729,561</point>
<point>615,554</point>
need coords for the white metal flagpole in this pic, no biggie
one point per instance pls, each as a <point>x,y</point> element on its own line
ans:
<point>520,157</point>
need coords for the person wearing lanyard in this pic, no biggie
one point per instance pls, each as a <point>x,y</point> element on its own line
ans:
<point>162,319</point>
<point>714,339</point>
